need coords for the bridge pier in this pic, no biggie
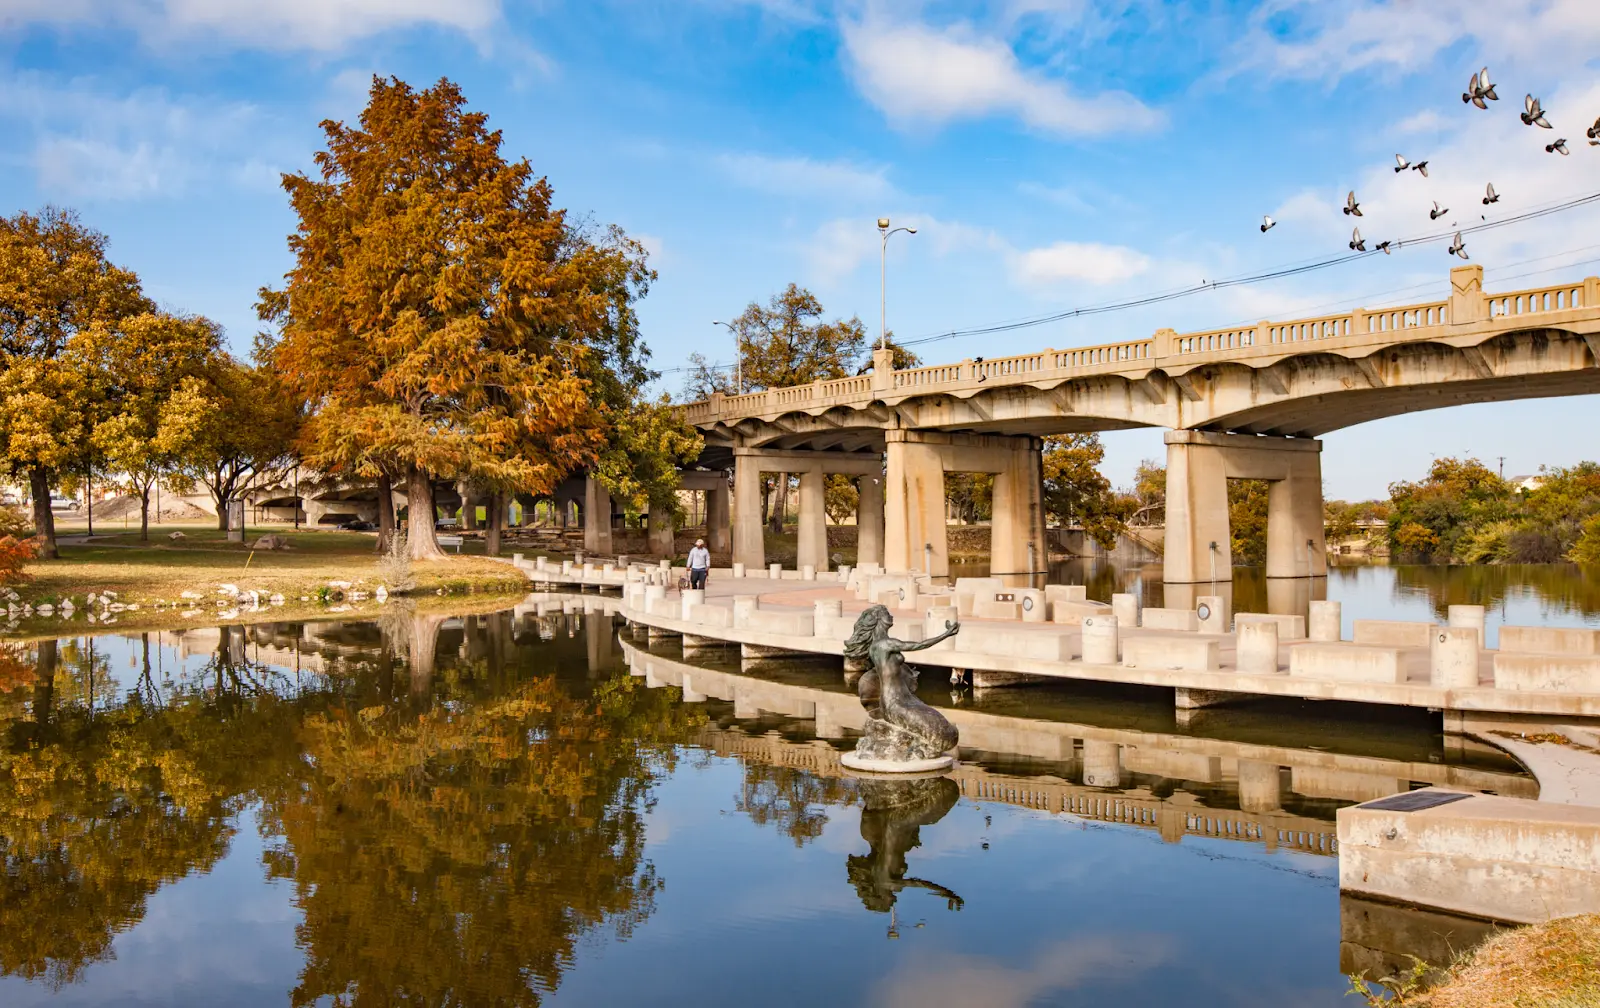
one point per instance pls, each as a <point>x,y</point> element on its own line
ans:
<point>1199,465</point>
<point>914,536</point>
<point>749,548</point>
<point>596,518</point>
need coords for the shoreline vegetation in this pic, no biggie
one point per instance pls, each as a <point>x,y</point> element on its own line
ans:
<point>171,584</point>
<point>1555,964</point>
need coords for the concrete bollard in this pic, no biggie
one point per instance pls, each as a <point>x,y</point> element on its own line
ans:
<point>1455,654</point>
<point>1100,640</point>
<point>743,606</point>
<point>691,597</point>
<point>1033,605</point>
<point>1213,614</point>
<point>1468,616</point>
<point>1258,647</point>
<point>845,570</point>
<point>774,571</point>
<point>665,565</point>
<point>516,559</point>
<point>538,563</point>
<point>1102,764</point>
<point>808,572</point>
<point>827,609</point>
<point>577,558</point>
<point>1126,610</point>
<point>622,561</point>
<point>738,570</point>
<point>1326,622</point>
<point>653,592</point>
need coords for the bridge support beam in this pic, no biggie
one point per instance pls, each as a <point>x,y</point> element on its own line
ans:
<point>812,467</point>
<point>1199,465</point>
<point>914,510</point>
<point>869,521</point>
<point>596,517</point>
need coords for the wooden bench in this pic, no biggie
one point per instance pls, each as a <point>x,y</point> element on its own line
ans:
<point>450,540</point>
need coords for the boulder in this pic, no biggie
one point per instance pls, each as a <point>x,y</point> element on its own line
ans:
<point>175,536</point>
<point>271,541</point>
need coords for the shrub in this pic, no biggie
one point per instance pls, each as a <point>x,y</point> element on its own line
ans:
<point>395,564</point>
<point>14,554</point>
<point>1587,549</point>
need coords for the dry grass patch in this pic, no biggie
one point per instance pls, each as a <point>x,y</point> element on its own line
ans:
<point>1550,965</point>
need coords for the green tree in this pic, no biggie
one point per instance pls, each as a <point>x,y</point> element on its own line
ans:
<point>1076,494</point>
<point>55,282</point>
<point>1456,497</point>
<point>151,370</point>
<point>242,427</point>
<point>786,342</point>
<point>1149,494</point>
<point>1247,521</point>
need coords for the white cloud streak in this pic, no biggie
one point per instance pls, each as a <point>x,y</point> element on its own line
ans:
<point>920,75</point>
<point>322,25</point>
<point>1083,262</point>
<point>802,177</point>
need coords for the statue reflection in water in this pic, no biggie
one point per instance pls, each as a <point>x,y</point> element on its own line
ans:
<point>893,813</point>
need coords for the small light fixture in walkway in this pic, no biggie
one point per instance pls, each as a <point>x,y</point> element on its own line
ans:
<point>883,279</point>
<point>738,355</point>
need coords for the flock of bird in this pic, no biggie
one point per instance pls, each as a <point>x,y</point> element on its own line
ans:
<point>1480,92</point>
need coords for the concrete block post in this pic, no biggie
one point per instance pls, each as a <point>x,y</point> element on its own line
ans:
<point>869,521</point>
<point>662,536</point>
<point>719,528</point>
<point>1258,647</point>
<point>1455,657</point>
<point>1102,764</point>
<point>1125,609</point>
<point>691,597</point>
<point>1296,546</point>
<point>813,542</point>
<point>1100,640</point>
<point>1470,616</point>
<point>749,546</point>
<point>1326,622</point>
<point>1216,616</point>
<point>1017,542</point>
<point>596,517</point>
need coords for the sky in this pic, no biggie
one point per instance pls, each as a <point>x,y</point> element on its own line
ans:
<point>1052,154</point>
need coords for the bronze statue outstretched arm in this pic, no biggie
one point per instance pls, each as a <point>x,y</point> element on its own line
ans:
<point>951,628</point>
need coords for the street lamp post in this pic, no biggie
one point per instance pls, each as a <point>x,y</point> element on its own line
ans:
<point>883,280</point>
<point>738,355</point>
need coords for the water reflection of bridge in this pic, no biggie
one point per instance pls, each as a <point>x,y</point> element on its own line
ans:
<point>1178,785</point>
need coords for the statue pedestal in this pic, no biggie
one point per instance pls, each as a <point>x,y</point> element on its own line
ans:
<point>857,762</point>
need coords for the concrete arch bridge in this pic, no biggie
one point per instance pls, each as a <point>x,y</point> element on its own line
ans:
<point>1247,402</point>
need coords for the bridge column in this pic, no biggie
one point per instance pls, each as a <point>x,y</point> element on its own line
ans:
<point>914,512</point>
<point>596,517</point>
<point>869,521</point>
<point>812,549</point>
<point>1199,465</point>
<point>661,536</point>
<point>749,546</point>
<point>719,536</point>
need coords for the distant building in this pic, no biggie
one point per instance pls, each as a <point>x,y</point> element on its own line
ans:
<point>1525,482</point>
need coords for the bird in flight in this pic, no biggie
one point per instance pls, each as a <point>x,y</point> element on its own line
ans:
<point>1351,207</point>
<point>1489,195</point>
<point>1479,89</point>
<point>1437,211</point>
<point>1593,133</point>
<point>1459,247</point>
<point>1401,164</point>
<point>1357,242</point>
<point>1382,246</point>
<point>1559,147</point>
<point>1532,114</point>
<point>1267,224</point>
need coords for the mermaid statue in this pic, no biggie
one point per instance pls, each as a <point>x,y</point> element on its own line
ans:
<point>903,734</point>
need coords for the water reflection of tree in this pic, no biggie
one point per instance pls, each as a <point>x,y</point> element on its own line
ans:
<point>1563,585</point>
<point>450,847</point>
<point>456,856</point>
<point>101,805</point>
<point>793,801</point>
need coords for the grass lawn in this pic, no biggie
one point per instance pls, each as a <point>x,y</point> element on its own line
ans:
<point>1551,965</point>
<point>149,575</point>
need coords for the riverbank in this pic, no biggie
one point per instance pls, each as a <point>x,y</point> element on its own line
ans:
<point>322,572</point>
<point>1551,965</point>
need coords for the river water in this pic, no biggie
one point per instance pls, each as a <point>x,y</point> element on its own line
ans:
<point>515,807</point>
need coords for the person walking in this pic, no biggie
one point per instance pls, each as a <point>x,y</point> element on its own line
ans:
<point>699,564</point>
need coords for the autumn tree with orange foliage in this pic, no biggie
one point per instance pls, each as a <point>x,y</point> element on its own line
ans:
<point>442,318</point>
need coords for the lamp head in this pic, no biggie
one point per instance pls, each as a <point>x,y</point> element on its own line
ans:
<point>911,230</point>
<point>883,223</point>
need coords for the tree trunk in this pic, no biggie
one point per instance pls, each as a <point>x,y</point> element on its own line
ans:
<point>44,683</point>
<point>385,513</point>
<point>420,535</point>
<point>492,522</point>
<point>222,511</point>
<point>780,501</point>
<point>144,514</point>
<point>44,520</point>
<point>88,498</point>
<point>469,507</point>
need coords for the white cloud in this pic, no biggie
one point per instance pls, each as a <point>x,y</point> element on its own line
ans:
<point>268,24</point>
<point>85,144</point>
<point>805,177</point>
<point>1333,40</point>
<point>1087,262</point>
<point>918,74</point>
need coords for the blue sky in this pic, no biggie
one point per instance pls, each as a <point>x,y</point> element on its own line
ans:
<point>1052,154</point>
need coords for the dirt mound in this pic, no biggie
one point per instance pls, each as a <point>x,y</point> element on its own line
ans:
<point>127,506</point>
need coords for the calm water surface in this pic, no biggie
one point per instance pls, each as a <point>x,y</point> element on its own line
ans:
<point>517,808</point>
